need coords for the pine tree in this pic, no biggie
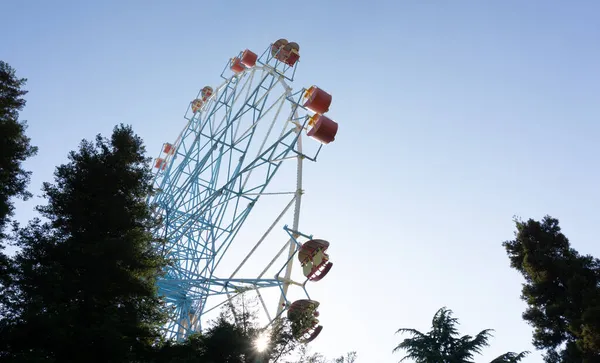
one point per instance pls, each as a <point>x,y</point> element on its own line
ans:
<point>562,291</point>
<point>15,146</point>
<point>84,282</point>
<point>443,343</point>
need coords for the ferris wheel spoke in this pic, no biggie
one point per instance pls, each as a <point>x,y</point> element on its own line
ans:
<point>250,79</point>
<point>197,287</point>
<point>260,149</point>
<point>219,157</point>
<point>233,226</point>
<point>216,162</point>
<point>280,101</point>
<point>246,107</point>
<point>268,231</point>
<point>249,167</point>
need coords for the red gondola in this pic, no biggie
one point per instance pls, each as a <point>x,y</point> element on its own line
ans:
<point>286,52</point>
<point>236,65</point>
<point>248,58</point>
<point>303,316</point>
<point>160,164</point>
<point>168,149</point>
<point>314,260</point>
<point>323,128</point>
<point>317,100</point>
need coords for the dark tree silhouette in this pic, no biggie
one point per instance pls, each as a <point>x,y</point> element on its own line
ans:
<point>15,146</point>
<point>562,291</point>
<point>83,288</point>
<point>306,357</point>
<point>232,338</point>
<point>443,344</point>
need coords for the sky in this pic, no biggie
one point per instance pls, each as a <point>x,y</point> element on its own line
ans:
<point>454,117</point>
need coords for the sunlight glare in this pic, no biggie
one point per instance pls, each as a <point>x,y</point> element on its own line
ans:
<point>262,342</point>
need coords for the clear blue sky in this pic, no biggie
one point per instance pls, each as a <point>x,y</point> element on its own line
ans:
<point>454,116</point>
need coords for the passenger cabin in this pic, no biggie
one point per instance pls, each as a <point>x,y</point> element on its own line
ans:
<point>286,52</point>
<point>246,60</point>
<point>314,260</point>
<point>160,164</point>
<point>303,318</point>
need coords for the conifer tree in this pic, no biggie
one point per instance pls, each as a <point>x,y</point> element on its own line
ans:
<point>15,146</point>
<point>562,291</point>
<point>444,344</point>
<point>84,282</point>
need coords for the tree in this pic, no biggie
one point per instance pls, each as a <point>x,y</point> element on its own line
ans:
<point>233,338</point>
<point>15,146</point>
<point>442,344</point>
<point>305,357</point>
<point>562,291</point>
<point>223,342</point>
<point>350,357</point>
<point>83,288</point>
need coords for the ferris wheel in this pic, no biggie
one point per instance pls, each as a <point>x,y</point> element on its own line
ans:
<point>244,145</point>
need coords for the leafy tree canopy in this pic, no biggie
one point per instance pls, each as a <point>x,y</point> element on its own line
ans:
<point>562,291</point>
<point>83,285</point>
<point>233,338</point>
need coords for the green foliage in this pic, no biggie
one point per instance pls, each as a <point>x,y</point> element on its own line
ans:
<point>15,146</point>
<point>348,358</point>
<point>562,291</point>
<point>188,351</point>
<point>231,338</point>
<point>282,342</point>
<point>510,357</point>
<point>443,344</point>
<point>223,342</point>
<point>306,357</point>
<point>83,287</point>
